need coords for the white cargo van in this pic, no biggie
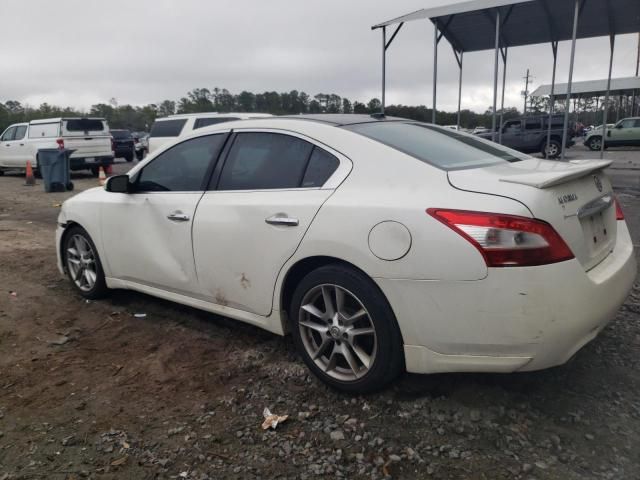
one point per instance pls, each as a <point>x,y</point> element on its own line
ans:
<point>167,129</point>
<point>89,138</point>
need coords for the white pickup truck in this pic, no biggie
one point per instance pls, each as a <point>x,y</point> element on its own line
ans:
<point>89,138</point>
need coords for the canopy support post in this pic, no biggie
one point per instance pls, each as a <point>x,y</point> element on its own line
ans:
<point>612,40</point>
<point>384,67</point>
<point>503,52</point>
<point>576,14</point>
<point>552,100</point>
<point>495,77</point>
<point>458,56</point>
<point>435,71</point>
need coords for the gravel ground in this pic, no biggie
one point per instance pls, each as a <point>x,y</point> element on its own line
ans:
<point>89,390</point>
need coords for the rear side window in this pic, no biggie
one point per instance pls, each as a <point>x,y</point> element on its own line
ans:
<point>181,168</point>
<point>44,130</point>
<point>20,132</point>
<point>441,147</point>
<point>168,128</point>
<point>205,122</point>
<point>8,134</point>
<point>265,161</point>
<point>321,165</point>
<point>84,125</point>
<point>532,124</point>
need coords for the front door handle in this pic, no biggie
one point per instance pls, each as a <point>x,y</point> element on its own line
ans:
<point>282,219</point>
<point>178,216</point>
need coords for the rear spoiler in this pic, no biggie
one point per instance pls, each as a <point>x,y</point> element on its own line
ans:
<point>566,171</point>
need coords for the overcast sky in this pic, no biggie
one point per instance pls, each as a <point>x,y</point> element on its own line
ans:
<point>81,52</point>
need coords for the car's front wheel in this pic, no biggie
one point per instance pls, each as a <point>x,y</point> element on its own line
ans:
<point>83,264</point>
<point>345,330</point>
<point>595,143</point>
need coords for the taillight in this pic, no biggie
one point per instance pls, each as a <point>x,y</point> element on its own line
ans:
<point>506,240</point>
<point>60,142</point>
<point>619,212</point>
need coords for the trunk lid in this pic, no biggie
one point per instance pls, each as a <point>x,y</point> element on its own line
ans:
<point>575,197</point>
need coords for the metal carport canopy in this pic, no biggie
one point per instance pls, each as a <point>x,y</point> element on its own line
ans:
<point>469,26</point>
<point>619,86</point>
<point>499,24</point>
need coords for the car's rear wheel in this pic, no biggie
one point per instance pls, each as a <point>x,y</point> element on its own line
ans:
<point>83,264</point>
<point>345,330</point>
<point>552,150</point>
<point>595,143</point>
<point>129,157</point>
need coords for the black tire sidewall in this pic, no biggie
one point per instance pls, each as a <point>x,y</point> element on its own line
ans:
<point>100,289</point>
<point>389,359</point>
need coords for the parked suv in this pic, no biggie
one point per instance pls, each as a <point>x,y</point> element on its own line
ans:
<point>123,144</point>
<point>624,133</point>
<point>169,128</point>
<point>89,139</point>
<point>529,135</point>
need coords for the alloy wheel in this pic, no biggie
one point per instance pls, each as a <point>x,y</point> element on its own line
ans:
<point>337,332</point>
<point>81,262</point>
<point>551,150</point>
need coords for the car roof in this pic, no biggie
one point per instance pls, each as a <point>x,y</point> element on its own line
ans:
<point>214,114</point>
<point>342,119</point>
<point>59,119</point>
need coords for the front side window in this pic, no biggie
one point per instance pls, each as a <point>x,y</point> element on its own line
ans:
<point>181,168</point>
<point>441,147</point>
<point>8,134</point>
<point>629,123</point>
<point>21,130</point>
<point>513,126</point>
<point>205,122</point>
<point>532,124</point>
<point>260,160</point>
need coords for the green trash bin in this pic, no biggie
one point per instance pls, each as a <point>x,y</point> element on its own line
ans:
<point>53,165</point>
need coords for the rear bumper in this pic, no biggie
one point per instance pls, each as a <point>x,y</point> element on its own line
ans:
<point>514,319</point>
<point>84,163</point>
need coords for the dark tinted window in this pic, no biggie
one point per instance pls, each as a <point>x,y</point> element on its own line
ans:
<point>263,161</point>
<point>512,125</point>
<point>8,135</point>
<point>181,168</point>
<point>205,122</point>
<point>167,128</point>
<point>532,124</point>
<point>637,123</point>
<point>441,147</point>
<point>121,134</point>
<point>84,125</point>
<point>321,165</point>
<point>629,123</point>
<point>556,122</point>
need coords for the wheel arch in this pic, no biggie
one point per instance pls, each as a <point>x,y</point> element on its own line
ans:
<point>302,267</point>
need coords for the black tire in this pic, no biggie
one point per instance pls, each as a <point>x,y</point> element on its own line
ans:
<point>95,171</point>
<point>129,157</point>
<point>140,154</point>
<point>1,173</point>
<point>594,143</point>
<point>70,186</point>
<point>555,148</point>
<point>388,361</point>
<point>99,289</point>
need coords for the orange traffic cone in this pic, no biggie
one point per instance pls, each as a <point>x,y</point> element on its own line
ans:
<point>29,180</point>
<point>102,178</point>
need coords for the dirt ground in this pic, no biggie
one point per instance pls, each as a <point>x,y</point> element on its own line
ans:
<point>89,390</point>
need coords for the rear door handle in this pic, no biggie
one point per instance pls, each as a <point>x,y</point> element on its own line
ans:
<point>282,219</point>
<point>178,216</point>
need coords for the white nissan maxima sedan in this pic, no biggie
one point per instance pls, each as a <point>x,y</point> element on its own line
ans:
<point>380,244</point>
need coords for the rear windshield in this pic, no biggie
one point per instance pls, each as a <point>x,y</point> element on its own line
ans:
<point>441,147</point>
<point>205,122</point>
<point>84,125</point>
<point>119,134</point>
<point>167,128</point>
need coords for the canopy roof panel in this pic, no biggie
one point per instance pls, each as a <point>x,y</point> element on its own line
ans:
<point>619,86</point>
<point>470,26</point>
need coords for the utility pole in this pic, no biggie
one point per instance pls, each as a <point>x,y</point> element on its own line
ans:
<point>633,100</point>
<point>525,92</point>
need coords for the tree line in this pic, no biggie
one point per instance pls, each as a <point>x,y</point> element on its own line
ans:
<point>140,118</point>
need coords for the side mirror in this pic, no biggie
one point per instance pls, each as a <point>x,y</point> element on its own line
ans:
<point>619,125</point>
<point>118,184</point>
